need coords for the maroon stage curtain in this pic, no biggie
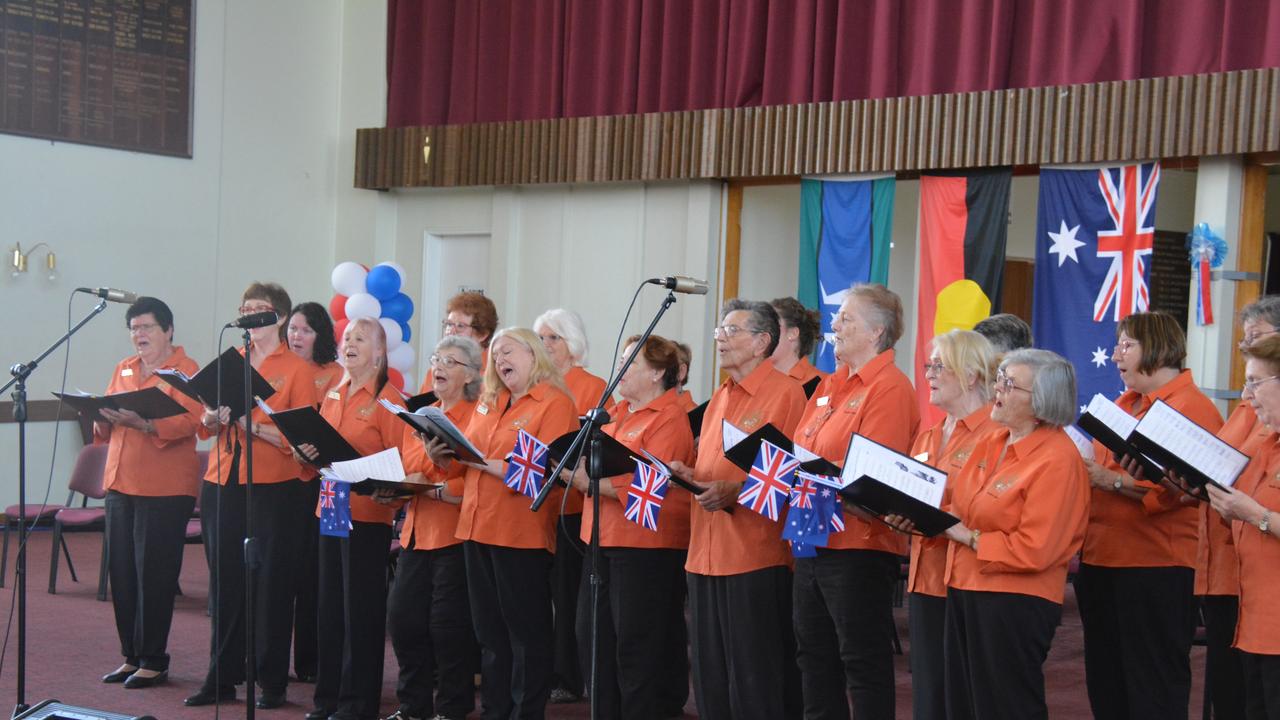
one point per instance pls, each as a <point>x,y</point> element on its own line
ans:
<point>464,61</point>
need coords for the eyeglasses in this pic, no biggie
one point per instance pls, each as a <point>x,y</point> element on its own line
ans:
<point>935,368</point>
<point>446,362</point>
<point>1248,340</point>
<point>456,327</point>
<point>251,309</point>
<point>1252,385</point>
<point>727,331</point>
<point>1125,346</point>
<point>1005,383</point>
<point>143,327</point>
<point>549,338</point>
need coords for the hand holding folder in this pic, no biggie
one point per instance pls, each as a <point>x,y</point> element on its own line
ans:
<point>149,404</point>
<point>305,426</point>
<point>432,421</point>
<point>885,482</point>
<point>226,373</point>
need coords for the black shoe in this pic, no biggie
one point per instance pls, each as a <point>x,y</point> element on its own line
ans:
<point>319,714</point>
<point>119,675</point>
<point>305,677</point>
<point>138,682</point>
<point>270,700</point>
<point>210,695</point>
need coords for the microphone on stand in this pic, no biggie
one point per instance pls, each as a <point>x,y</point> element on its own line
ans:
<point>681,284</point>
<point>254,320</point>
<point>111,294</point>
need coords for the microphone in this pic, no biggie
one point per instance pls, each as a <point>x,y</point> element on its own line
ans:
<point>111,294</point>
<point>254,320</point>
<point>681,284</point>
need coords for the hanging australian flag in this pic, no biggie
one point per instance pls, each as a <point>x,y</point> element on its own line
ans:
<point>1095,234</point>
<point>335,508</point>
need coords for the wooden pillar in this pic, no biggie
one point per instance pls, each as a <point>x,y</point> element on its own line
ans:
<point>1253,202</point>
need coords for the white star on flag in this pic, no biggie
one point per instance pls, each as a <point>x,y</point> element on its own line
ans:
<point>1099,357</point>
<point>833,300</point>
<point>1065,243</point>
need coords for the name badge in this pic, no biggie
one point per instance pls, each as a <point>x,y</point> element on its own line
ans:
<point>482,409</point>
<point>822,401</point>
<point>127,372</point>
<point>923,457</point>
<point>333,395</point>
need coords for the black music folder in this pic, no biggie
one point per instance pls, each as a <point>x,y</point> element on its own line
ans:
<point>695,418</point>
<point>149,403</point>
<point>676,480</point>
<point>414,403</point>
<point>886,482</point>
<point>618,460</point>
<point>1201,457</point>
<point>401,488</point>
<point>433,422</point>
<point>305,425</point>
<point>1113,427</point>
<point>203,386</point>
<point>811,386</point>
<point>741,448</point>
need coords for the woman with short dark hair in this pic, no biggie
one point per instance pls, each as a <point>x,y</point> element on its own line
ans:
<point>799,330</point>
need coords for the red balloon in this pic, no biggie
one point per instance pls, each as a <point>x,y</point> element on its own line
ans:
<point>340,329</point>
<point>338,308</point>
<point>395,378</point>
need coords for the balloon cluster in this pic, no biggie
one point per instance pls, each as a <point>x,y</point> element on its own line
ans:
<point>376,293</point>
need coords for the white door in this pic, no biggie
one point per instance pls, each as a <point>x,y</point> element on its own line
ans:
<point>451,263</point>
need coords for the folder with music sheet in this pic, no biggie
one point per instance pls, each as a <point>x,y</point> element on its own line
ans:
<point>695,418</point>
<point>676,480</point>
<point>811,386</point>
<point>431,420</point>
<point>305,426</point>
<point>383,470</point>
<point>203,386</point>
<point>1200,456</point>
<point>618,460</point>
<point>1113,427</point>
<point>414,403</point>
<point>741,447</point>
<point>149,403</point>
<point>885,482</point>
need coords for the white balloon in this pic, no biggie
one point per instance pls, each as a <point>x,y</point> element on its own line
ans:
<point>399,271</point>
<point>362,304</point>
<point>395,336</point>
<point>401,357</point>
<point>348,279</point>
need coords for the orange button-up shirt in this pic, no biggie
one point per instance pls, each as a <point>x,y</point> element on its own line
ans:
<point>929,555</point>
<point>491,512</point>
<point>804,371</point>
<point>1258,629</point>
<point>1217,567</point>
<point>430,524</point>
<point>876,402</point>
<point>585,390</point>
<point>1159,531</point>
<point>162,464</point>
<point>1030,509</point>
<point>723,543</point>
<point>370,428</point>
<point>686,402</point>
<point>662,428</point>
<point>292,378</point>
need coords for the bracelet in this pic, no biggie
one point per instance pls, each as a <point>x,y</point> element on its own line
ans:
<point>973,540</point>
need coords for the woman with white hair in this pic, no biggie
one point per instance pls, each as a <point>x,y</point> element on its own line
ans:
<point>565,338</point>
<point>1023,502</point>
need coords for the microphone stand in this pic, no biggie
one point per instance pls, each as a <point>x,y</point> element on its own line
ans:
<point>250,544</point>
<point>20,373</point>
<point>597,418</point>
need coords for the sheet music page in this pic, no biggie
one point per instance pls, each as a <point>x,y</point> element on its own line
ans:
<point>1110,414</point>
<point>731,435</point>
<point>174,373</point>
<point>665,468</point>
<point>804,454</point>
<point>442,421</point>
<point>1082,441</point>
<point>385,465</point>
<point>893,469</point>
<point>264,406</point>
<point>1196,446</point>
<point>394,408</point>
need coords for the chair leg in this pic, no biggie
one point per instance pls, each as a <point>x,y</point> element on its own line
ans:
<point>53,557</point>
<point>66,552</point>
<point>102,570</point>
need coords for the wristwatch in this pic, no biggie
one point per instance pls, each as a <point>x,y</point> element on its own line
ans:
<point>1118,485</point>
<point>1265,524</point>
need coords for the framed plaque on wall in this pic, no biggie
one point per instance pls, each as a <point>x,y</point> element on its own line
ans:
<point>115,73</point>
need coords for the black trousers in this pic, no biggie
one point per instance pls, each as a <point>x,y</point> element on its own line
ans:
<point>510,592</point>
<point>995,645</point>
<point>1138,627</point>
<point>566,575</point>
<point>641,608</point>
<point>144,539</point>
<point>353,612</point>
<point>927,618</point>
<point>306,584</point>
<point>744,664</point>
<point>429,620</point>
<point>844,633</point>
<point>1262,685</point>
<point>1223,674</point>
<point>277,522</point>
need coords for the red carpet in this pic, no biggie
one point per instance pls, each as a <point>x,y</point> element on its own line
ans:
<point>72,642</point>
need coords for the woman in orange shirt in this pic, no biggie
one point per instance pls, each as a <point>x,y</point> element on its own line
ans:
<point>1137,569</point>
<point>151,480</point>
<point>565,338</point>
<point>428,616</point>
<point>310,336</point>
<point>799,332</point>
<point>1253,508</point>
<point>278,516</point>
<point>959,372</point>
<point>352,593</point>
<point>641,594</point>
<point>509,549</point>
<point>1023,499</point>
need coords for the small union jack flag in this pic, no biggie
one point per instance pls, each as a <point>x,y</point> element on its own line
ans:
<point>526,465</point>
<point>803,491</point>
<point>645,495</point>
<point>768,483</point>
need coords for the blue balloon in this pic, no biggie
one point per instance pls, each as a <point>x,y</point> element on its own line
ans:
<point>404,331</point>
<point>399,307</point>
<point>382,282</point>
